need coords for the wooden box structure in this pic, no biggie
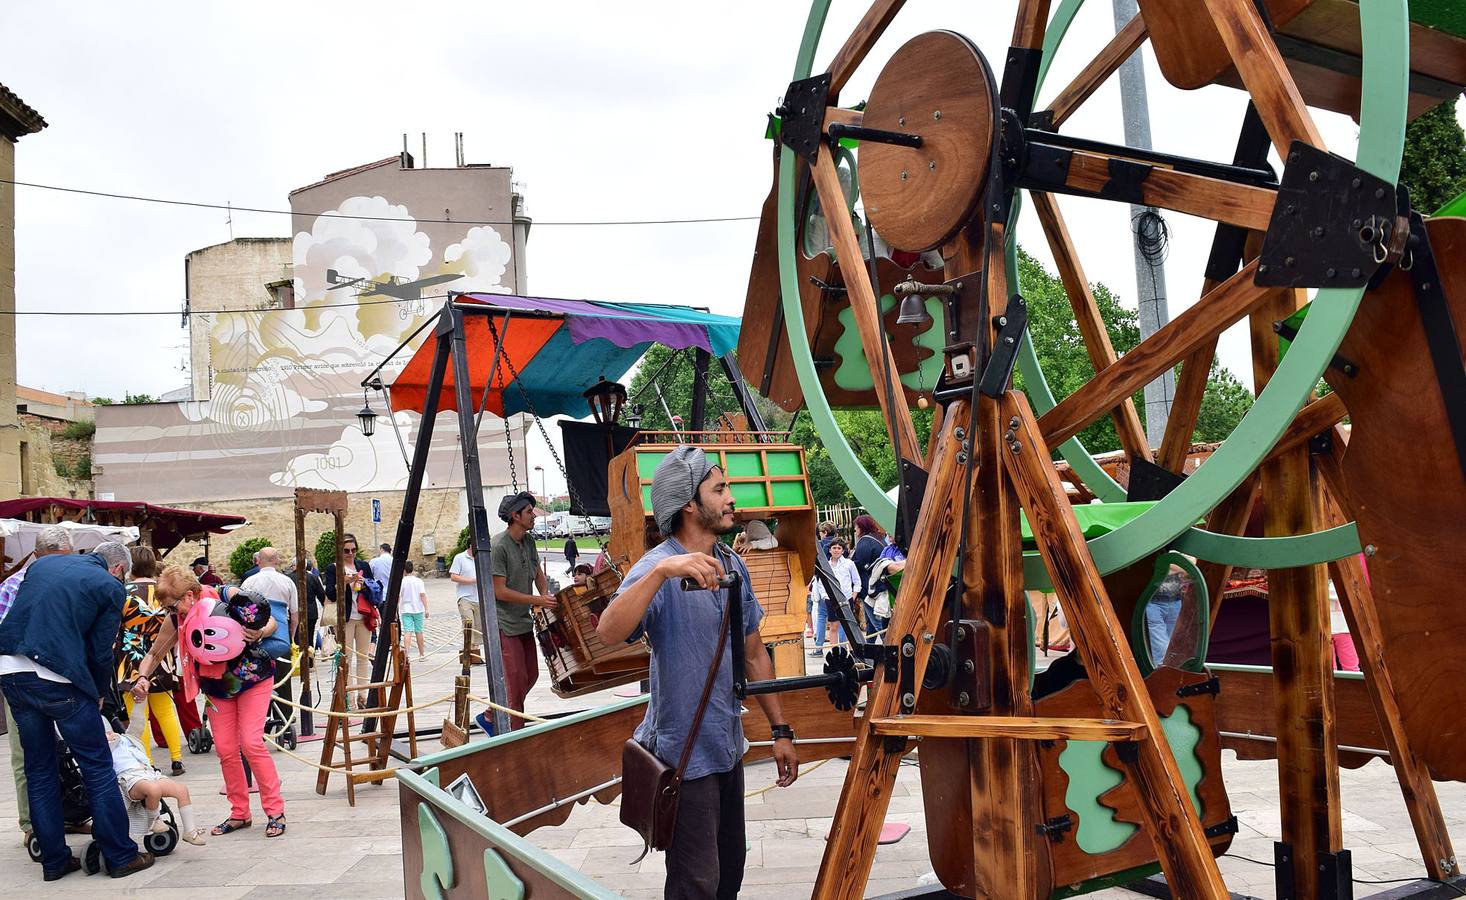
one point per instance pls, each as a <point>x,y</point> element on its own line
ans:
<point>769,482</point>
<point>579,662</point>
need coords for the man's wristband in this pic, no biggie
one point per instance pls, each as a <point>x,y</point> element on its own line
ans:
<point>783,732</point>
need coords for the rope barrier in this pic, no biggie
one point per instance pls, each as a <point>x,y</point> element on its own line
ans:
<point>764,790</point>
<point>349,713</point>
<point>335,770</point>
<point>504,709</point>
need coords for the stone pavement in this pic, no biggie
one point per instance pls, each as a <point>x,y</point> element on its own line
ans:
<point>334,850</point>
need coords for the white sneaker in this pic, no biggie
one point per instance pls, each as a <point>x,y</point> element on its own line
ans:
<point>196,836</point>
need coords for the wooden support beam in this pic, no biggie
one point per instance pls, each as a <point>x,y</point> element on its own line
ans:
<point>1313,419</point>
<point>1298,617</point>
<point>1266,76</point>
<point>1109,60</point>
<point>1208,317</point>
<point>872,770</point>
<point>1186,405</point>
<point>1023,728</point>
<point>1198,195</point>
<point>1030,23</point>
<point>1087,316</point>
<point>1362,613</point>
<point>1170,819</point>
<point>865,306</point>
<point>869,30</point>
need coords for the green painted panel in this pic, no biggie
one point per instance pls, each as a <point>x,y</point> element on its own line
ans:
<point>854,372</point>
<point>750,495</point>
<point>646,497</point>
<point>1089,779</point>
<point>785,462</point>
<point>790,493</point>
<point>1183,736</point>
<point>1456,207</point>
<point>743,463</point>
<point>1096,519</point>
<point>437,855</point>
<point>647,462</point>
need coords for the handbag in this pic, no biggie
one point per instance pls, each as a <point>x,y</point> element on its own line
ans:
<point>649,787</point>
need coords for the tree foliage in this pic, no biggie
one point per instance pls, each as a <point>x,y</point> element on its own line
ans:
<point>1434,165</point>
<point>242,559</point>
<point>326,549</point>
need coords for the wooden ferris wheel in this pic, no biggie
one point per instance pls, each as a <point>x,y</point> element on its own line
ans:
<point>921,303</point>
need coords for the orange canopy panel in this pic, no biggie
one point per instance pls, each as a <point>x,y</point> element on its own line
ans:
<point>523,338</point>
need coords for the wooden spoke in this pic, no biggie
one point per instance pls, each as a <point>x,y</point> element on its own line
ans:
<point>1120,48</point>
<point>1026,728</point>
<point>1316,417</point>
<point>1360,611</point>
<point>1211,315</point>
<point>869,30</point>
<point>1087,316</point>
<point>1170,819</point>
<point>1030,23</point>
<point>1186,404</point>
<point>864,305</point>
<point>868,779</point>
<point>1265,74</point>
<point>1210,198</point>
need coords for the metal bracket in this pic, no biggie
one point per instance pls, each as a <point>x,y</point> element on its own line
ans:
<point>1441,334</point>
<point>1336,876</point>
<point>1149,481</point>
<point>1020,79</point>
<point>998,373</point>
<point>972,690</point>
<point>907,679</point>
<point>1047,166</point>
<point>1211,686</point>
<point>1330,223</point>
<point>1221,828</point>
<point>1127,751</point>
<point>1126,180</point>
<point>1054,828</point>
<point>802,116</point>
<point>908,501</point>
<point>840,130</point>
<point>1289,333</point>
<point>1284,884</point>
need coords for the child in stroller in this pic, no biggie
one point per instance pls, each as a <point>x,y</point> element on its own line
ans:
<point>144,787</point>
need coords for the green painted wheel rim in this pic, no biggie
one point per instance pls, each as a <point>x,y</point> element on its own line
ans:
<point>1381,145</point>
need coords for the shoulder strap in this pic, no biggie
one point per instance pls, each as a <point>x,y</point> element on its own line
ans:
<point>707,687</point>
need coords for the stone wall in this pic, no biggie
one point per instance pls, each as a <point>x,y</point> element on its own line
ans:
<point>44,445</point>
<point>440,514</point>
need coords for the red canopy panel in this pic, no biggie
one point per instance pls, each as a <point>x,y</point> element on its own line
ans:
<point>167,525</point>
<point>522,340</point>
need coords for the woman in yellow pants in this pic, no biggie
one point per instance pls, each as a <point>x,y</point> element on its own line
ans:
<point>142,619</point>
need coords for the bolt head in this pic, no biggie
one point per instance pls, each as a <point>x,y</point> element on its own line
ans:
<point>1015,446</point>
<point>908,649</point>
<point>937,115</point>
<point>1379,193</point>
<point>900,120</point>
<point>1290,261</point>
<point>968,667</point>
<point>963,699</point>
<point>932,165</point>
<point>1013,422</point>
<point>1313,176</point>
<point>1331,272</point>
<point>1370,549</point>
<point>1356,183</point>
<point>903,174</point>
<point>961,633</point>
<point>908,699</point>
<point>1356,272</point>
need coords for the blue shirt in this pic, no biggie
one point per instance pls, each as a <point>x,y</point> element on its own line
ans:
<point>66,618</point>
<point>682,627</point>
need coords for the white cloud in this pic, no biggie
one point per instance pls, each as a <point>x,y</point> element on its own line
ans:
<point>354,462</point>
<point>482,256</point>
<point>359,248</point>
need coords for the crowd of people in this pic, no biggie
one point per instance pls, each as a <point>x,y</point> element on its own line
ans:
<point>90,640</point>
<point>862,574</point>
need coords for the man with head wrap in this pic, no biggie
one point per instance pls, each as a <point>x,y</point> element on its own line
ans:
<point>693,505</point>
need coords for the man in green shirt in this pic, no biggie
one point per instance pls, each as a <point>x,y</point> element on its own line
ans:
<point>515,566</point>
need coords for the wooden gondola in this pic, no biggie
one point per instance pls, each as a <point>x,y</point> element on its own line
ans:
<point>579,661</point>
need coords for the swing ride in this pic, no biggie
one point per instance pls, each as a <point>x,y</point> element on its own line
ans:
<point>1105,767</point>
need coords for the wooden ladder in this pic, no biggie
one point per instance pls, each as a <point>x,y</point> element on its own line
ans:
<point>378,739</point>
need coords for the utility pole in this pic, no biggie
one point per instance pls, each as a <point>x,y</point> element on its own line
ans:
<point>1150,273</point>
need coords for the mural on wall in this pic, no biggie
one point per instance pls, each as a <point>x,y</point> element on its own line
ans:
<point>285,384</point>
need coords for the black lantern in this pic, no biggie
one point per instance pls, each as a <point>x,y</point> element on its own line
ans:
<point>605,399</point>
<point>367,417</point>
<point>633,415</point>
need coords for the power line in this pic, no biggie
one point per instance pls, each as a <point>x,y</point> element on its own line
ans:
<point>201,312</point>
<point>336,215</point>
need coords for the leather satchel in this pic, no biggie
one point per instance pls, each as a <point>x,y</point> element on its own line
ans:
<point>649,787</point>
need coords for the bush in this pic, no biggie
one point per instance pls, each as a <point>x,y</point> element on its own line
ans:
<point>326,549</point>
<point>242,559</point>
<point>82,430</point>
<point>462,544</point>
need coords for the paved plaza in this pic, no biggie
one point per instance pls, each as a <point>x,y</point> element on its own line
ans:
<point>335,850</point>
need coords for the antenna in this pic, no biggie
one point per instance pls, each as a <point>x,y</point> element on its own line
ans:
<point>458,147</point>
<point>229,218</point>
<point>424,149</point>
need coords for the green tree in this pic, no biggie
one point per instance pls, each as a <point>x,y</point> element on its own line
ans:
<point>242,559</point>
<point>674,379</point>
<point>462,543</point>
<point>326,549</point>
<point>1434,165</point>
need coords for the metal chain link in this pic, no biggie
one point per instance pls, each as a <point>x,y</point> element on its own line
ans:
<point>509,446</point>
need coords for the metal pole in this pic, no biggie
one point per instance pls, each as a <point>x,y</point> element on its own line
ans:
<point>478,521</point>
<point>1150,279</point>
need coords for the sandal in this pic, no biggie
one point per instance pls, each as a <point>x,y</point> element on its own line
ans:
<point>228,825</point>
<point>276,826</point>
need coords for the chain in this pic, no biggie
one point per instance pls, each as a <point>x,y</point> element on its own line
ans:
<point>509,446</point>
<point>575,499</point>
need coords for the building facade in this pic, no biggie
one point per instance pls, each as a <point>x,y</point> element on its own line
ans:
<point>284,330</point>
<point>16,121</point>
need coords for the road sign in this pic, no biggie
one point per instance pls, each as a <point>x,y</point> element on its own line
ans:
<point>376,511</point>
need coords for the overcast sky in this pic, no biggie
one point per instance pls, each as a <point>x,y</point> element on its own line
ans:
<point>605,111</point>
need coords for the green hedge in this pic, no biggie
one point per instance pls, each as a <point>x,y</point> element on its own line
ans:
<point>242,559</point>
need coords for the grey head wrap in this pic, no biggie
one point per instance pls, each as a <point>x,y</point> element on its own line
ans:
<point>675,483</point>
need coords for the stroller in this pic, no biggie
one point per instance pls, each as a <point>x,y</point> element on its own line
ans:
<point>76,813</point>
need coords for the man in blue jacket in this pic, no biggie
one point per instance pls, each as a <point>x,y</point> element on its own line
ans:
<point>55,669</point>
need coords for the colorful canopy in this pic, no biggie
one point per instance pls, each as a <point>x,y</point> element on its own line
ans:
<point>559,353</point>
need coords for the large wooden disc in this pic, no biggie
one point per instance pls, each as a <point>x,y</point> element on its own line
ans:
<point>938,87</point>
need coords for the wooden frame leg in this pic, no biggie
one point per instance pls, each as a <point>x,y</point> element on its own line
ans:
<point>1170,819</point>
